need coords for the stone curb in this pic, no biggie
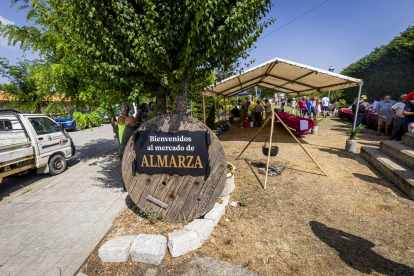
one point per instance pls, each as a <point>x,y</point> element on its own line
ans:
<point>180,242</point>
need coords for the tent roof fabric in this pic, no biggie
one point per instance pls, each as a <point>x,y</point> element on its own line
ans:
<point>283,76</point>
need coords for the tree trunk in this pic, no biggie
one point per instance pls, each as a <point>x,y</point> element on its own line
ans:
<point>181,99</point>
<point>161,102</point>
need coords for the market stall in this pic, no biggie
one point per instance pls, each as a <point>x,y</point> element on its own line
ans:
<point>284,76</point>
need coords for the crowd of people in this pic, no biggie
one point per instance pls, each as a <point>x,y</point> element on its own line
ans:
<point>312,107</point>
<point>399,114</point>
<point>306,107</point>
<point>256,115</point>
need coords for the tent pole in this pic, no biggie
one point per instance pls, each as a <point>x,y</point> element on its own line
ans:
<point>314,161</point>
<point>269,150</point>
<point>204,110</point>
<point>218,110</point>
<point>225,110</point>
<point>297,105</point>
<point>357,106</point>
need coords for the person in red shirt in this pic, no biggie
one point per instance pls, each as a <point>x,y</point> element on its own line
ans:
<point>302,107</point>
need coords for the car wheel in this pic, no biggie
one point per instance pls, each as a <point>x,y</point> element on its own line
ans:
<point>75,128</point>
<point>57,164</point>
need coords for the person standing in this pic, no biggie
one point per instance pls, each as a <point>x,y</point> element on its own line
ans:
<point>268,110</point>
<point>235,114</point>
<point>397,113</point>
<point>384,114</point>
<point>142,113</point>
<point>308,106</point>
<point>245,109</point>
<point>325,106</point>
<point>258,114</point>
<point>292,106</point>
<point>122,123</point>
<point>126,127</point>
<point>362,110</point>
<point>302,107</point>
<point>408,111</point>
<point>283,104</point>
<point>318,109</point>
<point>312,108</point>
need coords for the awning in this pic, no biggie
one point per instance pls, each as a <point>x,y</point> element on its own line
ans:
<point>244,93</point>
<point>282,76</point>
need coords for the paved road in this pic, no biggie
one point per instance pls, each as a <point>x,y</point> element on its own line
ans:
<point>52,224</point>
<point>89,144</point>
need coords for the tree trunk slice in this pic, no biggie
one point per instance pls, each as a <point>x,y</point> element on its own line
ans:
<point>177,198</point>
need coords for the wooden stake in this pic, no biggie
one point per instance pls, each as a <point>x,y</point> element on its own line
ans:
<point>300,145</point>
<point>204,110</point>
<point>270,147</point>
<point>254,137</point>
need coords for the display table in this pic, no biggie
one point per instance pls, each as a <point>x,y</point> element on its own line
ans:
<point>300,124</point>
<point>345,113</point>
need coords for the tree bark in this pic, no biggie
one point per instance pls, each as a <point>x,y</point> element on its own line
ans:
<point>161,103</point>
<point>181,99</point>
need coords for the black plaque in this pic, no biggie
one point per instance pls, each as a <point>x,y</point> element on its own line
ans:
<point>181,152</point>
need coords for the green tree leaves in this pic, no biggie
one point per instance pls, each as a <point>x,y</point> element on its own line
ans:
<point>387,70</point>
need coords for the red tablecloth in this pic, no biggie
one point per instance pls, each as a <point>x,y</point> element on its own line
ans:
<point>346,111</point>
<point>294,122</point>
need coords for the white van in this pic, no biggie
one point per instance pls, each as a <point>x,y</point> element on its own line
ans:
<point>29,141</point>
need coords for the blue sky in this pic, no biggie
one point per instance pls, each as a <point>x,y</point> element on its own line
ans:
<point>337,33</point>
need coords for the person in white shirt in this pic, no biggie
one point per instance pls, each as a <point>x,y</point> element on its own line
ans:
<point>397,113</point>
<point>325,106</point>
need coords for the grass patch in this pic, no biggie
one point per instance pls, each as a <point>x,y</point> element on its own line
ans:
<point>243,200</point>
<point>153,217</point>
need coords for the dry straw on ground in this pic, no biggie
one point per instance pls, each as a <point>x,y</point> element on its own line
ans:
<point>352,222</point>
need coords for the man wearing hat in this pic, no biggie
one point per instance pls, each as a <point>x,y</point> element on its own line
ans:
<point>362,110</point>
<point>384,114</point>
<point>397,113</point>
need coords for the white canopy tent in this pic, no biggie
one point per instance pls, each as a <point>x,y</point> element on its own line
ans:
<point>284,76</point>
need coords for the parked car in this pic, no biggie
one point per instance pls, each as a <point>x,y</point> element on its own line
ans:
<point>105,118</point>
<point>67,122</point>
<point>32,141</point>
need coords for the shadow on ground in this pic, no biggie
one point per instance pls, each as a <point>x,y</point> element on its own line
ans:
<point>95,149</point>
<point>379,181</point>
<point>357,252</point>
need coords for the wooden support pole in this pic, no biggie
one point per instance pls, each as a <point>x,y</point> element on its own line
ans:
<point>270,147</point>
<point>254,136</point>
<point>314,161</point>
<point>204,110</point>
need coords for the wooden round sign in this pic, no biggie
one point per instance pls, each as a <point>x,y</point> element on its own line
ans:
<point>175,197</point>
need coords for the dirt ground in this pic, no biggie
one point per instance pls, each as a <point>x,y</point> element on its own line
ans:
<point>352,222</point>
